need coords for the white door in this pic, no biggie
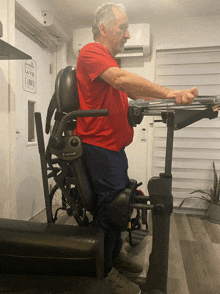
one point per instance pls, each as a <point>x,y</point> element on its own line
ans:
<point>33,94</point>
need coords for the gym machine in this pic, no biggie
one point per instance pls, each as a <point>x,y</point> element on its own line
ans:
<point>74,247</point>
<point>160,188</point>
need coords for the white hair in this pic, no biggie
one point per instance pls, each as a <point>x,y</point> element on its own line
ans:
<point>104,15</point>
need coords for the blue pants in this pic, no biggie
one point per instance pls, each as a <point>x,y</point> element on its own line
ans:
<point>108,172</point>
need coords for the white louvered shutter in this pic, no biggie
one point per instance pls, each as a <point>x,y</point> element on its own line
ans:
<point>198,145</point>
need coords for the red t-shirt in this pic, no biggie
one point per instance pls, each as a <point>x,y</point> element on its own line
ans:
<point>111,132</point>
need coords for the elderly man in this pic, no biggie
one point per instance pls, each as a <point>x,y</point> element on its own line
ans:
<point>103,84</point>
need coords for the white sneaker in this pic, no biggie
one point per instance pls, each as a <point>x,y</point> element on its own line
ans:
<point>122,285</point>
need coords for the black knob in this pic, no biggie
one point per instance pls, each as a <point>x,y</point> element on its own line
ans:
<point>54,142</point>
<point>159,209</point>
<point>74,142</point>
<point>135,224</point>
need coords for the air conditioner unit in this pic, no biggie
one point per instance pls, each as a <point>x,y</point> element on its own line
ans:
<point>137,45</point>
<point>139,42</point>
<point>47,31</point>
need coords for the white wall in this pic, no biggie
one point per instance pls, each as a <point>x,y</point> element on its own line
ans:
<point>29,186</point>
<point>59,61</point>
<point>29,192</point>
<point>35,7</point>
<point>10,201</point>
<point>188,31</point>
<point>7,116</point>
<point>59,54</point>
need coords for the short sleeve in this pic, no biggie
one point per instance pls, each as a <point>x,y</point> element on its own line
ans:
<point>95,59</point>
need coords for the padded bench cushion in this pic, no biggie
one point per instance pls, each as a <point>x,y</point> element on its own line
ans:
<point>49,248</point>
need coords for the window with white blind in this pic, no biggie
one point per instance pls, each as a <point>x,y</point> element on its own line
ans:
<point>198,145</point>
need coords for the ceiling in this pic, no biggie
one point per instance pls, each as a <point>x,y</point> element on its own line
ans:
<point>79,13</point>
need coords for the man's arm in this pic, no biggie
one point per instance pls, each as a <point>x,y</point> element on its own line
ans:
<point>138,87</point>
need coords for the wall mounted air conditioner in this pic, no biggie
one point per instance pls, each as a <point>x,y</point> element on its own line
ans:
<point>137,45</point>
<point>47,31</point>
<point>139,42</point>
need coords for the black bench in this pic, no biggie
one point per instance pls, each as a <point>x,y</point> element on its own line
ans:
<point>42,248</point>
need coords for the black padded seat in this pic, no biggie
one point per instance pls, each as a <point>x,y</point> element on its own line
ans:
<point>42,248</point>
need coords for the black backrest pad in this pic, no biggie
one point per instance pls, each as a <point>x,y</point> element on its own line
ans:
<point>65,98</point>
<point>68,92</point>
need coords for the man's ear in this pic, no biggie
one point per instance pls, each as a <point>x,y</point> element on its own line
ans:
<point>102,30</point>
